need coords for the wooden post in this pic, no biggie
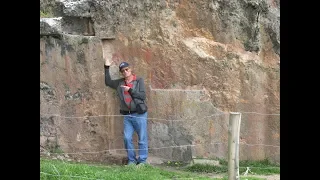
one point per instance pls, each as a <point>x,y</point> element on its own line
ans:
<point>237,146</point>
<point>233,146</point>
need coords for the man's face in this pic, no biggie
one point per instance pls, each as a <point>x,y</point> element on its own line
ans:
<point>126,71</point>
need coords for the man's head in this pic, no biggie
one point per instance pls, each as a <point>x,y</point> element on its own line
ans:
<point>123,65</point>
<point>124,68</point>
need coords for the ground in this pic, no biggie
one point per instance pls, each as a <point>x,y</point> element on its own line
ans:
<point>267,177</point>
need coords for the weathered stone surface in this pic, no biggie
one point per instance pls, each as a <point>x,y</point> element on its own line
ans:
<point>50,26</point>
<point>191,125</point>
<point>78,26</point>
<point>200,60</point>
<point>75,8</point>
<point>66,25</point>
<point>70,68</point>
<point>43,141</point>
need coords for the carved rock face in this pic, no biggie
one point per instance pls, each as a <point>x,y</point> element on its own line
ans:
<point>200,61</point>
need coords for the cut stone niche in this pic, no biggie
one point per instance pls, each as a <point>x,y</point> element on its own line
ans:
<point>107,49</point>
<point>78,26</point>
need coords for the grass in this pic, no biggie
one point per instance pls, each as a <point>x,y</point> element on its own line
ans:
<point>245,178</point>
<point>175,163</point>
<point>57,169</point>
<point>263,167</point>
<point>207,168</point>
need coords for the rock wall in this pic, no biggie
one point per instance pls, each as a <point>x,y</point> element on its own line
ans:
<point>200,60</point>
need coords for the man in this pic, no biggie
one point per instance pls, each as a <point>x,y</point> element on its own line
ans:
<point>129,87</point>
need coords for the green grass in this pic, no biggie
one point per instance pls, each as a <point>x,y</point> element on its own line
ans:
<point>263,167</point>
<point>207,168</point>
<point>175,163</point>
<point>61,170</point>
<point>56,169</point>
<point>245,178</point>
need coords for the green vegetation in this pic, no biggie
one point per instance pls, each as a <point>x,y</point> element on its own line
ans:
<point>57,169</point>
<point>244,178</point>
<point>175,163</point>
<point>207,168</point>
<point>263,167</point>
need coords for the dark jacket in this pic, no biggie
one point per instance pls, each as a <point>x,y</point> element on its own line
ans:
<point>137,91</point>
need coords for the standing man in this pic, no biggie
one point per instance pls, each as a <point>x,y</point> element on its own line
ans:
<point>128,87</point>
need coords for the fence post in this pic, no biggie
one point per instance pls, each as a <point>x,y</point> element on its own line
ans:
<point>233,145</point>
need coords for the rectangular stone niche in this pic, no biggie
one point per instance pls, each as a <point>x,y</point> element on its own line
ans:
<point>107,49</point>
<point>78,26</point>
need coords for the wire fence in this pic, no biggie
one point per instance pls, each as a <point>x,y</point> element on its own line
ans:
<point>214,126</point>
<point>191,145</point>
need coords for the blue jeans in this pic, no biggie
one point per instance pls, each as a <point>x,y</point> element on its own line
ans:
<point>136,122</point>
